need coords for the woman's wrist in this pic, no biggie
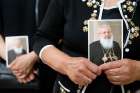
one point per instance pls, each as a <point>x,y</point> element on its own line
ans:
<point>34,56</point>
<point>137,70</point>
<point>64,63</point>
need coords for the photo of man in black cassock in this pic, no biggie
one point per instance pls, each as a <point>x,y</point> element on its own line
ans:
<point>106,48</point>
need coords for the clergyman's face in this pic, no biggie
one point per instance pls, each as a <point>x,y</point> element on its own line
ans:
<point>106,36</point>
<point>105,32</point>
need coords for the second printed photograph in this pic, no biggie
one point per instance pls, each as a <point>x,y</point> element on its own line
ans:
<point>16,46</point>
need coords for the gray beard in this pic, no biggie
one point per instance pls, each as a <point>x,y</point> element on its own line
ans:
<point>107,43</point>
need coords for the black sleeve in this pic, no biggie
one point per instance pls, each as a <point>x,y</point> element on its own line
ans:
<point>51,29</point>
<point>1,20</point>
<point>137,14</point>
<point>42,8</point>
<point>1,25</point>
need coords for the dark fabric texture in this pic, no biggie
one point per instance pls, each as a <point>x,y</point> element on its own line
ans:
<point>42,9</point>
<point>47,75</point>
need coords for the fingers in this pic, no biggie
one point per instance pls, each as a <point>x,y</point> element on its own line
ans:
<point>111,65</point>
<point>82,72</point>
<point>93,68</point>
<point>24,78</point>
<point>88,73</point>
<point>120,76</point>
<point>113,72</point>
<point>117,83</point>
<point>118,80</point>
<point>27,79</point>
<point>82,80</point>
<point>30,77</point>
<point>35,72</point>
<point>114,78</point>
<point>19,74</point>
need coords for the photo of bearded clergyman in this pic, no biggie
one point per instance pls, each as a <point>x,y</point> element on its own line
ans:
<point>104,48</point>
<point>16,46</point>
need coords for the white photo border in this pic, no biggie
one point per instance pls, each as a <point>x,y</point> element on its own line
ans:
<point>6,50</point>
<point>122,44</point>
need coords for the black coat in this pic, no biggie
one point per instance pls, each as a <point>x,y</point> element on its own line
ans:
<point>42,9</point>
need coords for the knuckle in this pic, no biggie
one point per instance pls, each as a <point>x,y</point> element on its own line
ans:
<point>81,61</point>
<point>75,77</point>
<point>127,70</point>
<point>81,68</point>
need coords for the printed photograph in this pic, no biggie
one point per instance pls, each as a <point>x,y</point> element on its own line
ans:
<point>16,46</point>
<point>105,40</point>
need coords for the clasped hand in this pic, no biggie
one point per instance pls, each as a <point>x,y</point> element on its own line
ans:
<point>82,72</point>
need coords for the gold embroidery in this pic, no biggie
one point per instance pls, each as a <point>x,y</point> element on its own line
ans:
<point>127,7</point>
<point>124,6</point>
<point>94,6</point>
<point>130,8</point>
<point>134,31</point>
<point>85,29</point>
<point>128,2</point>
<point>91,4</point>
<point>94,15</point>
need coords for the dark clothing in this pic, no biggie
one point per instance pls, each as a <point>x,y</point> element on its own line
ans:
<point>42,9</point>
<point>111,13</point>
<point>1,21</point>
<point>97,52</point>
<point>47,75</point>
<point>18,17</point>
<point>64,20</point>
<point>96,55</point>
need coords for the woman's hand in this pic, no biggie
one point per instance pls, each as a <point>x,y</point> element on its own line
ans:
<point>81,71</point>
<point>30,77</point>
<point>22,66</point>
<point>122,72</point>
